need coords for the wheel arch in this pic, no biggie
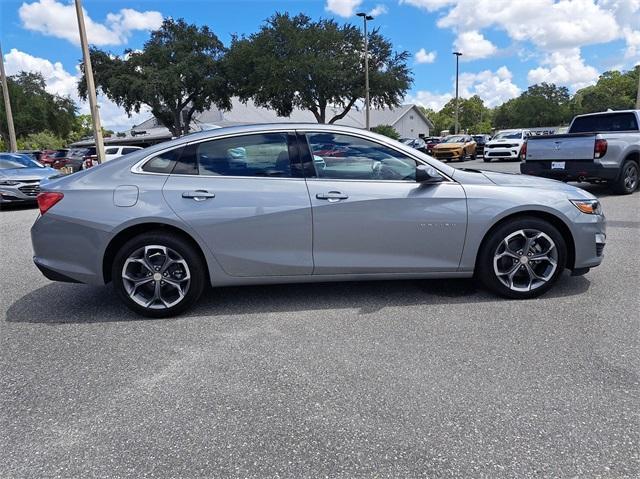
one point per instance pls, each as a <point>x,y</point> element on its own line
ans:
<point>134,230</point>
<point>556,221</point>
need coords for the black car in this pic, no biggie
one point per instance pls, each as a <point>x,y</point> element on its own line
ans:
<point>417,143</point>
<point>75,158</point>
<point>481,140</point>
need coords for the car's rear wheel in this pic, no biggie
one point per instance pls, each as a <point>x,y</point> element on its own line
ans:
<point>523,258</point>
<point>158,274</point>
<point>627,183</point>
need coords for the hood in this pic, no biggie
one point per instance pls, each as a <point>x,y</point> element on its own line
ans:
<point>28,174</point>
<point>449,145</point>
<point>512,179</point>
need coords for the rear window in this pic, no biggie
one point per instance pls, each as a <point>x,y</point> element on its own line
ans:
<point>609,122</point>
<point>163,162</point>
<point>126,151</point>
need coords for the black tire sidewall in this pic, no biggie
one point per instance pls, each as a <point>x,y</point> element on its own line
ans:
<point>181,246</point>
<point>619,186</point>
<point>484,267</point>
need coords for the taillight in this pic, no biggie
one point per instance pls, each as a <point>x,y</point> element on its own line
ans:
<point>47,199</point>
<point>600,148</point>
<point>523,151</point>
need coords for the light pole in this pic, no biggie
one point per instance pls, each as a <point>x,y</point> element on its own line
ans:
<point>366,18</point>
<point>7,106</point>
<point>91,89</point>
<point>458,55</point>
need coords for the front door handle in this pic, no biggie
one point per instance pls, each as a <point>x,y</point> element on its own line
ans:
<point>332,196</point>
<point>198,195</point>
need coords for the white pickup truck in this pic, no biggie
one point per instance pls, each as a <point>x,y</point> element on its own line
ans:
<point>599,147</point>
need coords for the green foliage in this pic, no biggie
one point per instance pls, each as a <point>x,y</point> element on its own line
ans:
<point>614,89</point>
<point>541,105</point>
<point>177,73</point>
<point>294,62</point>
<point>42,140</point>
<point>36,110</point>
<point>386,130</point>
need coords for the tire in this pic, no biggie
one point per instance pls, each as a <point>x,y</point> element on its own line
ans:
<point>473,157</point>
<point>494,257</point>
<point>486,160</point>
<point>182,269</point>
<point>628,179</point>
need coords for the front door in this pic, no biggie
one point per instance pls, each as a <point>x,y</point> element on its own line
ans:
<point>370,215</point>
<point>241,197</point>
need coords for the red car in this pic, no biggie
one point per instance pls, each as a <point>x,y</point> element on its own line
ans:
<point>49,157</point>
<point>76,158</point>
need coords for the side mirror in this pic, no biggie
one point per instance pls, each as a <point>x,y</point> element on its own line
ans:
<point>427,175</point>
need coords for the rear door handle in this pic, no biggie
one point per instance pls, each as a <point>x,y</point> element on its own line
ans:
<point>198,195</point>
<point>332,196</point>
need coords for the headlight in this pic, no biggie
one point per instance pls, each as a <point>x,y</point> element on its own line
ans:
<point>589,207</point>
<point>9,183</point>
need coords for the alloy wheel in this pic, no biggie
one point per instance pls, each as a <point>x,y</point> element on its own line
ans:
<point>156,277</point>
<point>525,260</point>
<point>631,177</point>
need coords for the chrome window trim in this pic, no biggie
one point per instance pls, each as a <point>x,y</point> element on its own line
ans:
<point>137,167</point>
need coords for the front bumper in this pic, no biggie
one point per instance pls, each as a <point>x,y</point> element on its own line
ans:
<point>21,193</point>
<point>446,154</point>
<point>590,237</point>
<point>502,153</point>
<point>574,170</point>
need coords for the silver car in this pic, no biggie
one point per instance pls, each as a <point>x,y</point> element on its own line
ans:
<point>285,203</point>
<point>20,177</point>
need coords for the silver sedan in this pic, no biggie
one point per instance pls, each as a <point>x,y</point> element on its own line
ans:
<point>20,177</point>
<point>301,203</point>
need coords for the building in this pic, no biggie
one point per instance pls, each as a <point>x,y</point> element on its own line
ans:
<point>408,120</point>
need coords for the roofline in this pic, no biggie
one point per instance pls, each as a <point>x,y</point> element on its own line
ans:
<point>631,110</point>
<point>422,115</point>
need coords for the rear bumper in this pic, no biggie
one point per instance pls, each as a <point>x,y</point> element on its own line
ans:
<point>574,170</point>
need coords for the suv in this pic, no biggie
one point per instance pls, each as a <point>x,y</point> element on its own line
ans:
<point>115,151</point>
<point>481,141</point>
<point>506,145</point>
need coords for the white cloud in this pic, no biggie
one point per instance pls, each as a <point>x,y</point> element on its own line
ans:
<point>493,87</point>
<point>423,56</point>
<point>378,10</point>
<point>565,68</point>
<point>59,20</point>
<point>344,8</point>
<point>59,81</point>
<point>474,45</point>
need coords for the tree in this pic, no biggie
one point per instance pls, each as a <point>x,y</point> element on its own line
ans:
<point>614,89</point>
<point>42,140</point>
<point>386,130</point>
<point>83,128</point>
<point>36,110</point>
<point>178,73</point>
<point>294,62</point>
<point>541,105</point>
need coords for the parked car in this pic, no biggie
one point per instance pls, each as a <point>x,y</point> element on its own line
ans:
<point>75,159</point>
<point>164,222</point>
<point>49,157</point>
<point>455,147</point>
<point>20,177</point>
<point>431,142</point>
<point>506,145</point>
<point>417,143</point>
<point>481,141</point>
<point>599,147</point>
<point>116,151</point>
<point>33,154</point>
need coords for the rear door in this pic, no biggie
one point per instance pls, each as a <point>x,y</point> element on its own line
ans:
<point>242,196</point>
<point>370,215</point>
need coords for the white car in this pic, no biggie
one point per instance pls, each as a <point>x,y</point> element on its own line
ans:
<point>116,151</point>
<point>506,145</point>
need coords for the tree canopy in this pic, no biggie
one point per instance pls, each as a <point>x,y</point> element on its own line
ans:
<point>178,73</point>
<point>294,62</point>
<point>34,109</point>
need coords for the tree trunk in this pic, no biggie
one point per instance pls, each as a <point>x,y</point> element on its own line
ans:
<point>344,112</point>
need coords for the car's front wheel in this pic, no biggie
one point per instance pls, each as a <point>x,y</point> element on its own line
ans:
<point>522,258</point>
<point>158,274</point>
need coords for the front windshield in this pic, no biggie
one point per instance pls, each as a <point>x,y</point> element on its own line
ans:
<point>508,135</point>
<point>15,161</point>
<point>454,139</point>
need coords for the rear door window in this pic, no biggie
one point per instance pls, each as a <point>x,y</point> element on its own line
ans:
<point>608,122</point>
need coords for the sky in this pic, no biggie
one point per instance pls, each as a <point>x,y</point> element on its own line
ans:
<point>507,45</point>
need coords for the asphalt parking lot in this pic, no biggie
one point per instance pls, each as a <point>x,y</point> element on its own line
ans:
<point>404,379</point>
